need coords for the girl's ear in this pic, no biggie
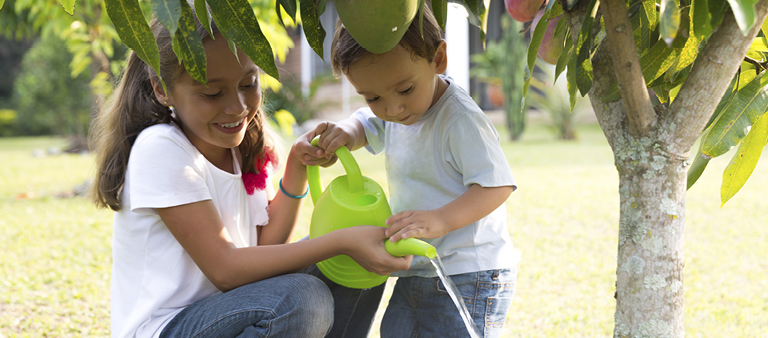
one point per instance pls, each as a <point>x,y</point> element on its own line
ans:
<point>160,95</point>
<point>441,58</point>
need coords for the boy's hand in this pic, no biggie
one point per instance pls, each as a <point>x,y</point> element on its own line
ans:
<point>417,223</point>
<point>333,136</point>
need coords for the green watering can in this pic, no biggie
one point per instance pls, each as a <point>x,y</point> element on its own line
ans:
<point>348,201</point>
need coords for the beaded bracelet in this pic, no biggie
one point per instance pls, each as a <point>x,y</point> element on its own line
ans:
<point>289,195</point>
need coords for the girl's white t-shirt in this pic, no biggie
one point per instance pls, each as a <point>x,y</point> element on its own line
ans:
<point>153,277</point>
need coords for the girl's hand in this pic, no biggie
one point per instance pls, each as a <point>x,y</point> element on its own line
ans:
<point>307,154</point>
<point>418,223</point>
<point>366,246</point>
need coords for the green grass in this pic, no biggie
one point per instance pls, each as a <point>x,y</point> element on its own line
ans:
<point>55,259</point>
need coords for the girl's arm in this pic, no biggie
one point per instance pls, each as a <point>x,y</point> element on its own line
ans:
<point>198,228</point>
<point>470,207</point>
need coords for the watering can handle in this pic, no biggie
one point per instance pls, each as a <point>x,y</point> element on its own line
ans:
<point>354,175</point>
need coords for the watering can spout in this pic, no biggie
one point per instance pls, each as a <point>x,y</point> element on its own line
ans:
<point>410,246</point>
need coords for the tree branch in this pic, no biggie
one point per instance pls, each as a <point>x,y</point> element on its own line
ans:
<point>709,78</point>
<point>626,65</point>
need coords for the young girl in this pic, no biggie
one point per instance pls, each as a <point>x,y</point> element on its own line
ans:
<point>200,242</point>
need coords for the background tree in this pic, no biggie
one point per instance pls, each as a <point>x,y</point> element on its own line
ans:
<point>689,52</point>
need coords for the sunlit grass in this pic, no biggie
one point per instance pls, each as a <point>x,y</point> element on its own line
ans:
<point>55,260</point>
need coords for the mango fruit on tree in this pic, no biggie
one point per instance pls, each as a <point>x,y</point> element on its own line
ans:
<point>523,10</point>
<point>550,48</point>
<point>377,25</point>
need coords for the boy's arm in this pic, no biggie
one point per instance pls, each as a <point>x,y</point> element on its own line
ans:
<point>470,207</point>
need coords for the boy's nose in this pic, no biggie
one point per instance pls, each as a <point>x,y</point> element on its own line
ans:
<point>395,108</point>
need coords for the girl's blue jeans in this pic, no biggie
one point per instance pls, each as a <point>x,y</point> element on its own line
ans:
<point>421,307</point>
<point>303,304</point>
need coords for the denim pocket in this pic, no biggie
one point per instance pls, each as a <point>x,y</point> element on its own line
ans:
<point>496,288</point>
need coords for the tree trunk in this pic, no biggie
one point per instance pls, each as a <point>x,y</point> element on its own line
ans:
<point>651,151</point>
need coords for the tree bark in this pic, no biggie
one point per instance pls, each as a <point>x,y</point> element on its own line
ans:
<point>652,165</point>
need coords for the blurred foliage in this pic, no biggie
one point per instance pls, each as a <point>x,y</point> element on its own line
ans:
<point>7,119</point>
<point>48,99</point>
<point>291,98</point>
<point>503,64</point>
<point>553,100</point>
<point>94,56</point>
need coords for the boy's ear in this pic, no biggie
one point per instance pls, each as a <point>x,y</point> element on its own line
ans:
<point>441,58</point>
<point>160,95</point>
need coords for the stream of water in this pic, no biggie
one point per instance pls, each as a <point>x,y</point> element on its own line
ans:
<point>456,297</point>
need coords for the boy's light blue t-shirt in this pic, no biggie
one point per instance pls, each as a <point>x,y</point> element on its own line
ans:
<point>433,162</point>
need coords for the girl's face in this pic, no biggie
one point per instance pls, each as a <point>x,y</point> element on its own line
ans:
<point>215,118</point>
<point>397,88</point>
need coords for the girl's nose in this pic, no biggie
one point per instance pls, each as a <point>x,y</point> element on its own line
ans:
<point>236,106</point>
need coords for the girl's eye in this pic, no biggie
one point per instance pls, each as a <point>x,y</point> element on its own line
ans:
<point>372,100</point>
<point>252,85</point>
<point>407,90</point>
<point>214,96</point>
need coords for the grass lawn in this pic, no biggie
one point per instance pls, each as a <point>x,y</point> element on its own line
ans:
<point>55,259</point>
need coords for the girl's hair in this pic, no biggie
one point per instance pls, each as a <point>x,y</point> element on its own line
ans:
<point>133,107</point>
<point>345,51</point>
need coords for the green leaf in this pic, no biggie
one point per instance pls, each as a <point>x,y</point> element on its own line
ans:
<point>533,47</point>
<point>583,62</point>
<point>440,10</point>
<point>688,53</point>
<point>473,9</point>
<point>701,19</point>
<point>237,20</point>
<point>167,12</point>
<point>134,31</point>
<point>289,6</point>
<point>697,168</point>
<point>3,2</point>
<point>202,14</point>
<point>745,160</point>
<point>570,75</point>
<point>759,44</point>
<point>744,13</point>
<point>188,43</point>
<point>69,5</point>
<point>717,9</point>
<point>313,30</point>
<point>669,22</point>
<point>562,60</point>
<point>743,109</point>
<point>650,19</point>
<point>653,64</point>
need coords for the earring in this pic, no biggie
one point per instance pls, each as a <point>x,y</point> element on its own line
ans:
<point>165,103</point>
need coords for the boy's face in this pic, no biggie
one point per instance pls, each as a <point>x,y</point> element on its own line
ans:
<point>397,88</point>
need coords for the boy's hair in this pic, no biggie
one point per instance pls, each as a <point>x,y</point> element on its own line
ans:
<point>345,51</point>
<point>133,107</point>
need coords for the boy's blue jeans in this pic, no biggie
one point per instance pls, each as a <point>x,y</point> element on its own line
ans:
<point>303,304</point>
<point>420,307</point>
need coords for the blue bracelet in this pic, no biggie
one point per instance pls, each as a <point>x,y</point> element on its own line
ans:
<point>292,196</point>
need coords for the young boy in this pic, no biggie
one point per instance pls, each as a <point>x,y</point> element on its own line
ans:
<point>448,181</point>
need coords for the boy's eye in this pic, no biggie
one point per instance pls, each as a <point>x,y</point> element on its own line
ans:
<point>372,100</point>
<point>213,96</point>
<point>407,90</point>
